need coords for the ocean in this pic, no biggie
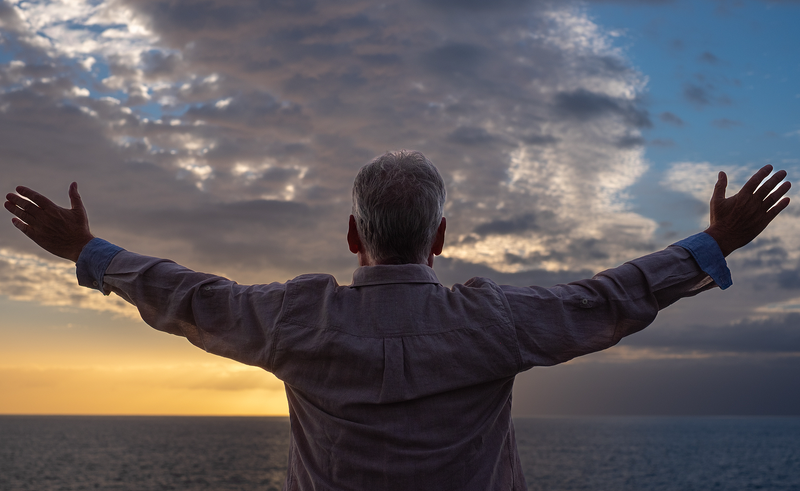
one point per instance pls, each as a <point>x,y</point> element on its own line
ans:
<point>43,453</point>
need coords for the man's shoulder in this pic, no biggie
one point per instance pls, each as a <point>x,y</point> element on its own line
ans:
<point>314,279</point>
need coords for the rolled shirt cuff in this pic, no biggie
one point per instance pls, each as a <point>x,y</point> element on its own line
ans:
<point>705,250</point>
<point>93,262</point>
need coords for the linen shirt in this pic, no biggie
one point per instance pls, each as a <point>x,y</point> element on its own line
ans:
<point>396,382</point>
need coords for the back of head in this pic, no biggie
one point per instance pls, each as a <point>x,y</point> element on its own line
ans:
<point>398,200</point>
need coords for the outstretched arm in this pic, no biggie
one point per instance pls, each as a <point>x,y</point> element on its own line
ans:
<point>737,220</point>
<point>595,314</point>
<point>60,231</point>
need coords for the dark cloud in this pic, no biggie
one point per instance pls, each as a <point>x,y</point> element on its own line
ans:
<point>697,95</point>
<point>635,2</point>
<point>523,223</point>
<point>661,142</point>
<point>725,123</point>
<point>584,250</point>
<point>586,105</point>
<point>760,385</point>
<point>631,141</point>
<point>9,20</point>
<point>454,59</point>
<point>766,252</point>
<point>205,14</point>
<point>537,139</point>
<point>470,135</point>
<point>708,57</point>
<point>242,234</point>
<point>789,280</point>
<point>478,5</point>
<point>774,335</point>
<point>156,63</point>
<point>452,271</point>
<point>256,109</point>
<point>671,118</point>
<point>703,95</point>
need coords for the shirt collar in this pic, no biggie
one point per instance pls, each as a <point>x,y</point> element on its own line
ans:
<point>391,274</point>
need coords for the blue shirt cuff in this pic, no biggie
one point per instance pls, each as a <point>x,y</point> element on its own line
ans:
<point>93,262</point>
<point>708,255</point>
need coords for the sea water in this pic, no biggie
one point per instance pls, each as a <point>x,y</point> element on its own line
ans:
<point>42,453</point>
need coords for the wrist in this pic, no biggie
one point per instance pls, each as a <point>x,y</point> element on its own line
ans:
<point>76,252</point>
<point>720,238</point>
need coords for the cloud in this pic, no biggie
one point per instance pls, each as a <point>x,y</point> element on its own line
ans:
<point>671,118</point>
<point>725,123</point>
<point>454,59</point>
<point>471,135</point>
<point>631,141</point>
<point>709,58</point>
<point>789,279</point>
<point>257,109</point>
<point>585,105</point>
<point>737,385</point>
<point>772,335</point>
<point>28,278</point>
<point>662,142</point>
<point>227,134</point>
<point>522,223</point>
<point>636,2</point>
<point>696,94</point>
<point>704,95</point>
<point>696,179</point>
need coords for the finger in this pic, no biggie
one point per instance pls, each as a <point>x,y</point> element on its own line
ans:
<point>719,187</point>
<point>20,207</point>
<point>770,184</point>
<point>774,197</point>
<point>21,225</point>
<point>19,201</point>
<point>40,200</point>
<point>779,207</point>
<point>75,200</point>
<point>751,185</point>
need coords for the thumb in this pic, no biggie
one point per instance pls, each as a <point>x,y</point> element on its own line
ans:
<point>720,187</point>
<point>74,198</point>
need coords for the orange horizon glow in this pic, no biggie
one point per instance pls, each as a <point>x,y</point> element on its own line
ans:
<point>58,361</point>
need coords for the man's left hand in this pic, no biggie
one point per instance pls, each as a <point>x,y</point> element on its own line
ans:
<point>737,220</point>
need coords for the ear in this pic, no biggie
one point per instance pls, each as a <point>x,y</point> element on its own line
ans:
<point>438,241</point>
<point>353,240</point>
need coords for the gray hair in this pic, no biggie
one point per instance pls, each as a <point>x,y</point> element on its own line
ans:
<point>398,200</point>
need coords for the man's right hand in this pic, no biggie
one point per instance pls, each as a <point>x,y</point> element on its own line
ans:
<point>737,220</point>
<point>60,231</point>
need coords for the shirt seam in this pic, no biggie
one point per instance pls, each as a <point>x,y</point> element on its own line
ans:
<point>410,335</point>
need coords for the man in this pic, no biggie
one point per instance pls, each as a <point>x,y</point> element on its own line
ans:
<point>396,382</point>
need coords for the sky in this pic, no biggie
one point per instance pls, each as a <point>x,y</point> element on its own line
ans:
<point>225,135</point>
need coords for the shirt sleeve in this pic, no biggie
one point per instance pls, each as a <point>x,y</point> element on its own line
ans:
<point>212,312</point>
<point>706,252</point>
<point>93,261</point>
<point>556,324</point>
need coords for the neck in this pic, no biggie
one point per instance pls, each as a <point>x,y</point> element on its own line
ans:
<point>365,260</point>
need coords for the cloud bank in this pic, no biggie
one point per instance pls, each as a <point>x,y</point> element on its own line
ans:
<point>228,133</point>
